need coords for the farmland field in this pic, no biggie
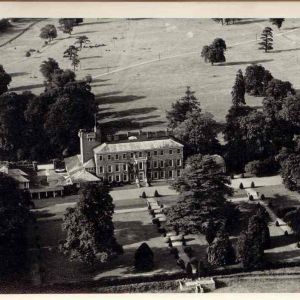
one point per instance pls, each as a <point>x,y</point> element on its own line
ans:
<point>146,64</point>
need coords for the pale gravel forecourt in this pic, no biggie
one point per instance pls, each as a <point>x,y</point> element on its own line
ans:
<point>180,55</point>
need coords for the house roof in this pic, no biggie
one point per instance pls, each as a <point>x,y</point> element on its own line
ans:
<point>136,145</point>
<point>16,174</point>
<point>90,163</point>
<point>76,171</point>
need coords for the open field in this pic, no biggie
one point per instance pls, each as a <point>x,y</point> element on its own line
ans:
<point>147,63</point>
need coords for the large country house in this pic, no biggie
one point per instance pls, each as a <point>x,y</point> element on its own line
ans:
<point>135,157</point>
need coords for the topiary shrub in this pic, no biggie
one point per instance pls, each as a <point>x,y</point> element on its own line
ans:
<point>188,250</point>
<point>262,197</point>
<point>180,263</point>
<point>251,198</point>
<point>201,270</point>
<point>277,223</point>
<point>174,251</point>
<point>252,184</point>
<point>143,258</point>
<point>189,270</point>
<point>156,194</point>
<point>144,196</point>
<point>241,186</point>
<point>27,54</point>
<point>194,261</point>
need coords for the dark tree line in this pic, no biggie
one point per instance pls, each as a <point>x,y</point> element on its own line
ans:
<point>14,218</point>
<point>257,135</point>
<point>49,121</point>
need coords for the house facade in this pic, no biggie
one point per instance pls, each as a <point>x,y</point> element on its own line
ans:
<point>140,158</point>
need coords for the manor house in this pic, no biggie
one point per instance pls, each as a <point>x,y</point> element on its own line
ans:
<point>136,157</point>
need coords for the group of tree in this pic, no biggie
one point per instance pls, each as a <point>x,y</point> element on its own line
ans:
<point>72,51</point>
<point>203,188</point>
<point>254,135</point>
<point>49,32</point>
<point>89,227</point>
<point>254,240</point>
<point>5,80</point>
<point>198,131</point>
<point>226,21</point>
<point>49,121</point>
<point>14,218</point>
<point>214,53</point>
<point>277,22</point>
<point>4,25</point>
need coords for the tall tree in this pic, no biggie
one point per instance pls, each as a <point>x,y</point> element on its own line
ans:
<point>5,80</point>
<point>254,240</point>
<point>81,40</point>
<point>198,133</point>
<point>180,109</point>
<point>73,109</point>
<point>238,90</point>
<point>221,252</point>
<point>12,124</point>
<point>266,43</point>
<point>71,52</point>
<point>203,188</point>
<point>277,22</point>
<point>48,32</point>
<point>256,80</point>
<point>14,217</point>
<point>213,54</point>
<point>89,226</point>
<point>48,67</point>
<point>66,25</point>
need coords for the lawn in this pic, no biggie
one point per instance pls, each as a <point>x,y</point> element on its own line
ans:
<point>131,229</point>
<point>147,64</point>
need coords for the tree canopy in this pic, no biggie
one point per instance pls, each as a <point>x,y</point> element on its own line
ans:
<point>89,226</point>
<point>266,43</point>
<point>48,32</point>
<point>14,218</point>
<point>198,133</point>
<point>238,90</point>
<point>203,188</point>
<point>277,22</point>
<point>180,109</point>
<point>5,80</point>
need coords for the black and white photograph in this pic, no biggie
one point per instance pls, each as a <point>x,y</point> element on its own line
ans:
<point>149,154</point>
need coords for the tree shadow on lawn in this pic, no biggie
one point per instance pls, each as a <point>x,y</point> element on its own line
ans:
<point>26,87</point>
<point>285,50</point>
<point>284,255</point>
<point>128,112</point>
<point>249,21</point>
<point>283,201</point>
<point>112,99</point>
<point>233,63</point>
<point>88,57</point>
<point>123,265</point>
<point>93,23</point>
<point>127,124</point>
<point>101,85</point>
<point>16,74</point>
<point>84,32</point>
<point>132,232</point>
<point>282,240</point>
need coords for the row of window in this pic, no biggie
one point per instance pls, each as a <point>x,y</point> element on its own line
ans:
<point>155,164</point>
<point>153,175</point>
<point>139,154</point>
